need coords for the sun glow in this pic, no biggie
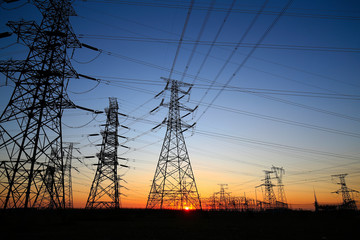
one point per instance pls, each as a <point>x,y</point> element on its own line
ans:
<point>188,208</point>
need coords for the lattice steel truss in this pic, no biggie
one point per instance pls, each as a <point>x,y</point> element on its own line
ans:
<point>104,192</point>
<point>281,197</point>
<point>174,185</point>
<point>69,200</point>
<point>48,194</point>
<point>31,151</point>
<point>224,197</point>
<point>269,197</point>
<point>348,202</point>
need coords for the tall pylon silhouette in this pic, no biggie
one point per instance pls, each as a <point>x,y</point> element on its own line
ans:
<point>223,197</point>
<point>281,197</point>
<point>174,186</point>
<point>48,195</point>
<point>69,200</point>
<point>104,192</point>
<point>269,194</point>
<point>348,202</point>
<point>30,125</point>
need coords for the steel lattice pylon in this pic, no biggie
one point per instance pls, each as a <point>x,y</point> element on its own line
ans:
<point>281,199</point>
<point>269,195</point>
<point>223,197</point>
<point>104,192</point>
<point>30,126</point>
<point>348,202</point>
<point>48,194</point>
<point>69,203</point>
<point>174,185</point>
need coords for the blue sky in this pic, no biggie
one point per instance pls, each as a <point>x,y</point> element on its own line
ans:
<point>313,49</point>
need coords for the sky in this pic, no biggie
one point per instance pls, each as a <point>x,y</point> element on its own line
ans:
<point>273,90</point>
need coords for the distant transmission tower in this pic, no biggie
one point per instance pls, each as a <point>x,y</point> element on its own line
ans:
<point>47,196</point>
<point>348,201</point>
<point>69,202</point>
<point>279,172</point>
<point>269,195</point>
<point>223,197</point>
<point>30,126</point>
<point>174,185</point>
<point>104,192</point>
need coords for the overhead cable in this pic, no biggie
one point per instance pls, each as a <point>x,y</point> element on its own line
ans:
<point>250,53</point>
<point>181,38</point>
<point>238,10</point>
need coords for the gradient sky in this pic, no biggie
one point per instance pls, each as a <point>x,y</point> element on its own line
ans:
<point>293,103</point>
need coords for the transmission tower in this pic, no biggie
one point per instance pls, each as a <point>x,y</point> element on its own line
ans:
<point>48,196</point>
<point>223,197</point>
<point>104,192</point>
<point>174,185</point>
<point>269,195</point>
<point>348,201</point>
<point>68,179</point>
<point>279,172</point>
<point>30,126</point>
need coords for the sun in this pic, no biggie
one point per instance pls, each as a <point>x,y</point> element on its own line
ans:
<point>186,208</point>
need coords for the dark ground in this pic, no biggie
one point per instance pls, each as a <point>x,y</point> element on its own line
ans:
<point>157,224</point>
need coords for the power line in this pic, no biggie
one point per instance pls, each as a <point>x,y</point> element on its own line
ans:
<point>198,39</point>
<point>222,44</point>
<point>281,120</point>
<point>181,38</point>
<point>265,117</point>
<point>275,145</point>
<point>13,8</point>
<point>138,81</point>
<point>215,39</point>
<point>257,58</point>
<point>319,110</point>
<point>250,53</point>
<point>87,91</point>
<point>220,9</point>
<point>207,55</point>
<point>243,36</point>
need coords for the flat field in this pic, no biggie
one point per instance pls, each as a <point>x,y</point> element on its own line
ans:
<point>187,225</point>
